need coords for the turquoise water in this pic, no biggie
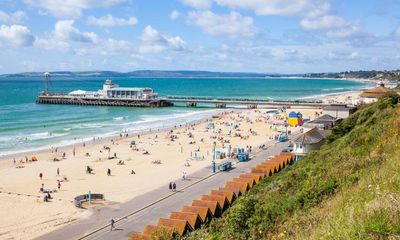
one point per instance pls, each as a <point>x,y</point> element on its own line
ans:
<point>25,125</point>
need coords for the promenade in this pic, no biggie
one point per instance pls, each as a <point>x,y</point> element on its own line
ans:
<point>135,214</point>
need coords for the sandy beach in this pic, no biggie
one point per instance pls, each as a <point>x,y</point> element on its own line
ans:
<point>25,215</point>
<point>155,159</point>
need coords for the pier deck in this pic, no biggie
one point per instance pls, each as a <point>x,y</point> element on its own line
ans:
<point>65,99</point>
<point>251,103</point>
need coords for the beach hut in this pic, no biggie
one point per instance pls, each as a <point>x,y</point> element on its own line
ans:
<point>204,212</point>
<point>213,205</point>
<point>180,227</point>
<point>295,119</point>
<point>309,141</point>
<point>193,218</point>
<point>230,195</point>
<point>222,200</point>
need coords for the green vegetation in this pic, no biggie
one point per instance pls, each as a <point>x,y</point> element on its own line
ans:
<point>350,189</point>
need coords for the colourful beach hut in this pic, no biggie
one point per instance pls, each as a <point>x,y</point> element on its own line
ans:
<point>295,119</point>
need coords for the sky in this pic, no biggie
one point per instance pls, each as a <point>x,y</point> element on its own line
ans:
<point>266,36</point>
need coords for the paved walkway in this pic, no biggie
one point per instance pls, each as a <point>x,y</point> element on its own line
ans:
<point>135,214</point>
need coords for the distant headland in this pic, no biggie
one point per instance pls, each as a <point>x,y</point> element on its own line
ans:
<point>373,74</point>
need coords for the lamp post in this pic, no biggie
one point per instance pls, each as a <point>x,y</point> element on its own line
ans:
<point>214,168</point>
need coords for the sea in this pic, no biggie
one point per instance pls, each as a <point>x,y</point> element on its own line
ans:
<point>27,126</point>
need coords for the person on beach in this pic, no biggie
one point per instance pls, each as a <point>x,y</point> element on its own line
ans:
<point>112,224</point>
<point>170,186</point>
<point>41,176</point>
<point>58,171</point>
<point>108,172</point>
<point>59,185</point>
<point>14,161</point>
<point>174,187</point>
<point>133,172</point>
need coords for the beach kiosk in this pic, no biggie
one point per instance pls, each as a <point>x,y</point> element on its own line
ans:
<point>224,166</point>
<point>295,119</point>
<point>241,154</point>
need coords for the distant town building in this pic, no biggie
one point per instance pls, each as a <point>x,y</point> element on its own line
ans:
<point>373,94</point>
<point>309,141</point>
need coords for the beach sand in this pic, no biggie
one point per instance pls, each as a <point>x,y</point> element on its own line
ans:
<point>27,217</point>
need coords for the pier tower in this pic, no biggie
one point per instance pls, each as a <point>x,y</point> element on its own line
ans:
<point>46,83</point>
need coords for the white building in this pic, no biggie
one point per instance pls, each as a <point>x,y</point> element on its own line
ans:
<point>113,91</point>
<point>309,141</point>
<point>339,111</point>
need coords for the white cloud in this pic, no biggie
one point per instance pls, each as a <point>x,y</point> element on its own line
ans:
<point>110,21</point>
<point>198,4</point>
<point>150,35</point>
<point>343,55</point>
<point>174,15</point>
<point>64,30</point>
<point>323,23</point>
<point>153,41</point>
<point>63,35</point>
<point>347,31</point>
<point>310,8</point>
<point>112,46</point>
<point>333,26</point>
<point>16,35</point>
<point>177,43</point>
<point>284,54</point>
<point>52,44</point>
<point>71,9</point>
<point>231,25</point>
<point>15,17</point>
<point>396,32</point>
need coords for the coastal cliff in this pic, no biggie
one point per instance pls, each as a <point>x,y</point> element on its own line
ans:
<point>347,190</point>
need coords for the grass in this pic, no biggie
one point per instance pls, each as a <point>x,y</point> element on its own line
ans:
<point>349,189</point>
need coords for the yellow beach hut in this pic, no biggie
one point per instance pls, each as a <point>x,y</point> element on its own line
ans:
<point>295,119</point>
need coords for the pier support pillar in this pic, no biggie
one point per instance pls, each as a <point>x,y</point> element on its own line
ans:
<point>191,104</point>
<point>220,105</point>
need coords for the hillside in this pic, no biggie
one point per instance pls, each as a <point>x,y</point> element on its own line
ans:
<point>376,75</point>
<point>350,189</point>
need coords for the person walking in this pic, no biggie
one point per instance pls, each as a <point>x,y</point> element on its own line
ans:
<point>108,172</point>
<point>58,171</point>
<point>174,187</point>
<point>170,186</point>
<point>59,185</point>
<point>41,176</point>
<point>112,224</point>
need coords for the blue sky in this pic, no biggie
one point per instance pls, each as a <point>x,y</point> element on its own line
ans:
<point>284,36</point>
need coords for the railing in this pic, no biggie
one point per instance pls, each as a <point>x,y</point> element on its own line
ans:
<point>171,98</point>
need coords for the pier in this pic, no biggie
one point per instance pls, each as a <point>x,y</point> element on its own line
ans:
<point>249,103</point>
<point>95,101</point>
<point>170,101</point>
<point>113,95</point>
